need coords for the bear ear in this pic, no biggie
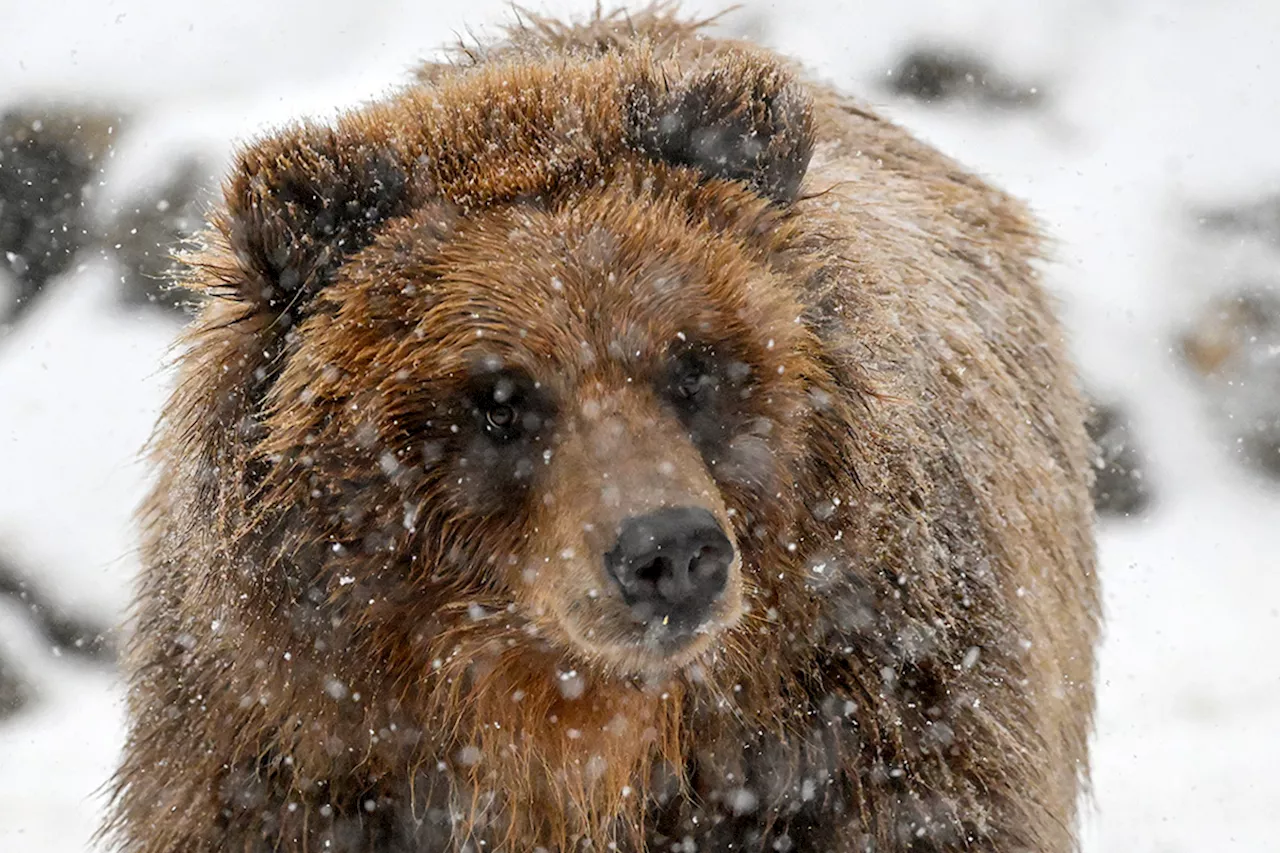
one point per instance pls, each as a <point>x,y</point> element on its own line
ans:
<point>298,203</point>
<point>744,118</point>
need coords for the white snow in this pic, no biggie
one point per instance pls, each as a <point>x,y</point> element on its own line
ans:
<point>81,381</point>
<point>1151,110</point>
<point>56,757</point>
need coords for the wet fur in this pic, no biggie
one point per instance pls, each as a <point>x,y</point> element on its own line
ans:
<point>331,650</point>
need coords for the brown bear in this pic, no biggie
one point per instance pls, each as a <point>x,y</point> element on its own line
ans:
<point>614,441</point>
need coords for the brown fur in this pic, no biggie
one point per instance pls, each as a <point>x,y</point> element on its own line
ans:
<point>361,627</point>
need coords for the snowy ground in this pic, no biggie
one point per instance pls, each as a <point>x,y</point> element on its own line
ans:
<point>1150,110</point>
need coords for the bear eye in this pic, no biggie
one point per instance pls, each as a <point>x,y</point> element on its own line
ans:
<point>690,382</point>
<point>500,420</point>
<point>507,408</point>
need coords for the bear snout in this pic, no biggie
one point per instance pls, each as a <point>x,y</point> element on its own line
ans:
<point>671,567</point>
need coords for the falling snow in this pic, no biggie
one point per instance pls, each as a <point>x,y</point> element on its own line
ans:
<point>1145,113</point>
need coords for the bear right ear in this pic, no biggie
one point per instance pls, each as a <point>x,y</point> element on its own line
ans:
<point>298,203</point>
<point>744,118</point>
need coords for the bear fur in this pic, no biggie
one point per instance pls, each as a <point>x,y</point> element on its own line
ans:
<point>369,622</point>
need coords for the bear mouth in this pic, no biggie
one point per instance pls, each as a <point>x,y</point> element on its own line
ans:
<point>669,639</point>
<point>635,640</point>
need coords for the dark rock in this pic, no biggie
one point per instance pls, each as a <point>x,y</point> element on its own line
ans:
<point>1233,346</point>
<point>14,692</point>
<point>936,75</point>
<point>144,232</point>
<point>1261,219</point>
<point>66,632</point>
<point>49,157</point>
<point>1120,486</point>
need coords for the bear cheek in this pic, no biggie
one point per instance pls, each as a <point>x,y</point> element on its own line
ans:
<point>494,480</point>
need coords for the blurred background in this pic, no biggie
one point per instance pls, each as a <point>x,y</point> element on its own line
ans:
<point>1143,132</point>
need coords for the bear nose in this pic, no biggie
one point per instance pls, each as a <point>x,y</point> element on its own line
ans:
<point>671,565</point>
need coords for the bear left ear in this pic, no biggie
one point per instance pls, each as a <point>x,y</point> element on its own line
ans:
<point>299,203</point>
<point>744,119</point>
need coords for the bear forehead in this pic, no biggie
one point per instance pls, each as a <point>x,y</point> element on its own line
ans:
<point>586,283</point>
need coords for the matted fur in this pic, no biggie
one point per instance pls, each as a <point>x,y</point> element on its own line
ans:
<point>353,636</point>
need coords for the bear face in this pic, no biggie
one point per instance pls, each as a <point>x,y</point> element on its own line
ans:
<point>525,382</point>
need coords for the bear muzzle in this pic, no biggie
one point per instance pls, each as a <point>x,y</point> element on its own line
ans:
<point>641,569</point>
